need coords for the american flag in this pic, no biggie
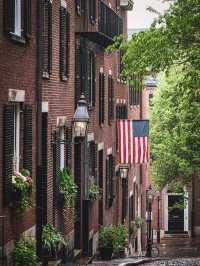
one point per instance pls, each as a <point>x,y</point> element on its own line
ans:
<point>133,141</point>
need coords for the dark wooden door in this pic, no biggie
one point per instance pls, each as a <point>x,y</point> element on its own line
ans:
<point>100,171</point>
<point>175,213</point>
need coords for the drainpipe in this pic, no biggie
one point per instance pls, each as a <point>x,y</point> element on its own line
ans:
<point>39,209</point>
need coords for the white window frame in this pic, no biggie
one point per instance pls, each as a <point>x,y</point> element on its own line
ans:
<point>62,147</point>
<point>18,17</point>
<point>16,159</point>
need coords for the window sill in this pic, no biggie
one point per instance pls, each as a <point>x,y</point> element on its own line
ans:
<point>17,38</point>
<point>45,75</point>
<point>64,78</point>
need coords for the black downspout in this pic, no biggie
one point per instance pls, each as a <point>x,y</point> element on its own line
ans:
<point>39,207</point>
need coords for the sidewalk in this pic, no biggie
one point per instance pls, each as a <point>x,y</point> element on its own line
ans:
<point>178,246</point>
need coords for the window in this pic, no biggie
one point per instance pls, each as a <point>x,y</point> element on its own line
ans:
<point>134,96</point>
<point>92,11</point>
<point>18,25</point>
<point>151,99</point>
<point>109,180</point>
<point>101,97</point>
<point>120,64</point>
<point>78,7</point>
<point>64,41</point>
<point>17,19</point>
<point>135,90</point>
<point>62,147</point>
<point>110,99</point>
<point>47,39</point>
<point>121,111</point>
<point>17,142</point>
<point>16,158</point>
<point>92,159</point>
<point>91,79</point>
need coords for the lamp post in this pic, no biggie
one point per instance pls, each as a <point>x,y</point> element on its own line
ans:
<point>80,128</point>
<point>149,197</point>
<point>124,169</point>
<point>158,222</point>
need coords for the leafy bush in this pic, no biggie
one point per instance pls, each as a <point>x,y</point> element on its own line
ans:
<point>94,191</point>
<point>67,186</point>
<point>52,240</point>
<point>120,238</point>
<point>106,236</point>
<point>25,253</point>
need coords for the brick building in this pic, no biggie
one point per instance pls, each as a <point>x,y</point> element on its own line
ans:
<point>52,52</point>
<point>18,98</point>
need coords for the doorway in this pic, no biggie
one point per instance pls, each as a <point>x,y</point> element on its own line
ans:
<point>175,213</point>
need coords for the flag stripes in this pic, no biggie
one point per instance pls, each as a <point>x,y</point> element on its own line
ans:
<point>133,146</point>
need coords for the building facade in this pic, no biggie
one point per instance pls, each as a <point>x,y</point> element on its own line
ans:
<point>51,53</point>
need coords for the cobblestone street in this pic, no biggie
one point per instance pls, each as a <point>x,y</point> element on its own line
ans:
<point>176,262</point>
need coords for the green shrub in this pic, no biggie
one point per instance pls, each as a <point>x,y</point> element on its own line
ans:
<point>120,238</point>
<point>52,240</point>
<point>106,236</point>
<point>25,253</point>
<point>67,187</point>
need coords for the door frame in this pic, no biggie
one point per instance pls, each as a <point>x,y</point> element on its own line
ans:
<point>166,212</point>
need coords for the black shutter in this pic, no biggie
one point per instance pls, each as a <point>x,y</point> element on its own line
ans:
<point>27,162</point>
<point>67,43</point>
<point>8,150</point>
<point>96,163</point>
<point>49,36</point>
<point>88,92</point>
<point>28,18</point>
<point>84,55</point>
<point>94,80</point>
<point>101,98</point>
<point>110,180</point>
<point>9,15</point>
<point>63,42</point>
<point>69,147</point>
<point>56,169</point>
<point>110,99</point>
<point>107,183</point>
<point>78,70</point>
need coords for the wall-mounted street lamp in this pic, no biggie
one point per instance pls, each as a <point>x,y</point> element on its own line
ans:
<point>123,170</point>
<point>81,118</point>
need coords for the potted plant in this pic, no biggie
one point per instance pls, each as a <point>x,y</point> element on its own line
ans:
<point>67,188</point>
<point>94,192</point>
<point>25,253</point>
<point>52,241</point>
<point>21,190</point>
<point>120,240</point>
<point>135,225</point>
<point>106,239</point>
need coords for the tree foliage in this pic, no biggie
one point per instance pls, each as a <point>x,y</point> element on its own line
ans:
<point>175,127</point>
<point>173,39</point>
<point>171,45</point>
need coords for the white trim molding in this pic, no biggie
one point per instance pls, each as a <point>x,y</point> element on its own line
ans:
<point>16,95</point>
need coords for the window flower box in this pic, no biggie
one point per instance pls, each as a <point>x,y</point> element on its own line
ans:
<point>21,190</point>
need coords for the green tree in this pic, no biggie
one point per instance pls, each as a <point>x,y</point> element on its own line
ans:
<point>175,128</point>
<point>173,39</point>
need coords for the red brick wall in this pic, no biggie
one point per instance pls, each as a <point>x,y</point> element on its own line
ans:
<point>17,71</point>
